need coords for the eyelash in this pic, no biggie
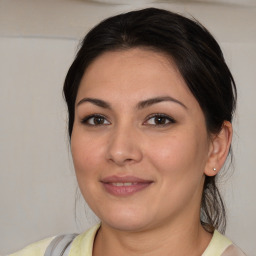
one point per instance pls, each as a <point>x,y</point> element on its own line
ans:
<point>87,118</point>
<point>170,120</point>
<point>164,116</point>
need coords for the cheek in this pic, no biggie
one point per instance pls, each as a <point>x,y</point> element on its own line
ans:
<point>179,161</point>
<point>179,154</point>
<point>87,157</point>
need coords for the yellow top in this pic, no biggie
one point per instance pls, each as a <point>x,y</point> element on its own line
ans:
<point>83,245</point>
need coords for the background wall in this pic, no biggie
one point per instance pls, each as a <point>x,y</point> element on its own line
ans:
<point>38,40</point>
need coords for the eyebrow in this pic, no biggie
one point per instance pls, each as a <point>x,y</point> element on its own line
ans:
<point>150,102</point>
<point>140,105</point>
<point>97,102</point>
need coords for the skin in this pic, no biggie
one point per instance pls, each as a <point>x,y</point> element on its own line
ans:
<point>128,140</point>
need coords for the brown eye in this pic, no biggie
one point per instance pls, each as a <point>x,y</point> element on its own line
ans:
<point>95,120</point>
<point>159,120</point>
<point>98,120</point>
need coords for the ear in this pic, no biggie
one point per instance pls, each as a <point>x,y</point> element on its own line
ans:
<point>219,149</point>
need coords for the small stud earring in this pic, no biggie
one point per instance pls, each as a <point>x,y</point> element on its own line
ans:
<point>214,169</point>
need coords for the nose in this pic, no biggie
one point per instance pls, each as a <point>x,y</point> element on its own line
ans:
<point>124,146</point>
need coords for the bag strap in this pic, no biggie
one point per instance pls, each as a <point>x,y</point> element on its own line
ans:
<point>60,245</point>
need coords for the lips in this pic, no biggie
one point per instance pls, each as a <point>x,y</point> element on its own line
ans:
<point>125,185</point>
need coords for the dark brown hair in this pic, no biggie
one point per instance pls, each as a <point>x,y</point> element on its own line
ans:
<point>198,58</point>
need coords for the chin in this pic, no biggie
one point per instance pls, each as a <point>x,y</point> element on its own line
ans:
<point>127,226</point>
<point>127,220</point>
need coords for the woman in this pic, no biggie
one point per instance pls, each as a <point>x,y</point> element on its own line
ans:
<point>150,101</point>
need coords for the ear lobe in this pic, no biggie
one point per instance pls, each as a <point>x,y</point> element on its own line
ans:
<point>219,149</point>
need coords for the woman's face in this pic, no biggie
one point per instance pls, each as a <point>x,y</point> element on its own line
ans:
<point>139,142</point>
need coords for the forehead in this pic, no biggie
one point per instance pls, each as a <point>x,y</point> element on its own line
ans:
<point>133,74</point>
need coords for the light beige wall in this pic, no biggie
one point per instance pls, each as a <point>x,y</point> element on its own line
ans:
<point>38,40</point>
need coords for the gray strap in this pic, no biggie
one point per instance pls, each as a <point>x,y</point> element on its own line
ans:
<point>60,245</point>
<point>67,250</point>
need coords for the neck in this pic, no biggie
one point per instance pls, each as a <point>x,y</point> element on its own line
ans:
<point>186,239</point>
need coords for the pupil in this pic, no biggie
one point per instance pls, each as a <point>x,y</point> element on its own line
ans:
<point>160,120</point>
<point>98,120</point>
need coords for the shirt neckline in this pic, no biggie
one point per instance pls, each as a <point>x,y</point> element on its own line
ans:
<point>83,243</point>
